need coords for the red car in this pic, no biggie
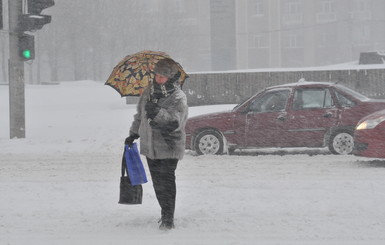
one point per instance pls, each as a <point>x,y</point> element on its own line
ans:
<point>370,136</point>
<point>303,114</point>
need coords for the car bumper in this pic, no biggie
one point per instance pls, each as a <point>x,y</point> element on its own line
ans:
<point>369,143</point>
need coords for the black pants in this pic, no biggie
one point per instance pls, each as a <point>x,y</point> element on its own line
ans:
<point>163,179</point>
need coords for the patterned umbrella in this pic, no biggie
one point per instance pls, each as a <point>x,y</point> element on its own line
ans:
<point>133,74</point>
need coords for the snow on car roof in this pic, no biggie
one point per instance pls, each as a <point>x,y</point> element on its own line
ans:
<point>302,82</point>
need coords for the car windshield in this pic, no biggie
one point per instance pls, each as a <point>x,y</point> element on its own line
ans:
<point>353,93</point>
<point>242,102</point>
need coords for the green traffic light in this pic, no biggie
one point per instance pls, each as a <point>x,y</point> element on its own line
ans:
<point>26,47</point>
<point>27,53</point>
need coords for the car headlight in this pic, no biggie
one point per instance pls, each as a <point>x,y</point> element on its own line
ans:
<point>369,124</point>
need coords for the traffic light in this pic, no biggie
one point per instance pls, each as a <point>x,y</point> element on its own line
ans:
<point>31,21</point>
<point>36,6</point>
<point>34,20</point>
<point>1,14</point>
<point>26,47</point>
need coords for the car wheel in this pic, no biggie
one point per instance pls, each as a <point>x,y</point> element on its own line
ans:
<point>209,142</point>
<point>341,143</point>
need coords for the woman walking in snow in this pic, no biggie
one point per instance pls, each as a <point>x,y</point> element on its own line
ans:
<point>159,122</point>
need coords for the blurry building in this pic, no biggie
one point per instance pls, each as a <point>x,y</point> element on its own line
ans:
<point>87,38</point>
<point>297,33</point>
<point>283,33</point>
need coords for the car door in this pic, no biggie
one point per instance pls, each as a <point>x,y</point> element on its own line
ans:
<point>265,119</point>
<point>310,115</point>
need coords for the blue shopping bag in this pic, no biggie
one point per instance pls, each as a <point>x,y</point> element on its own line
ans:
<point>134,164</point>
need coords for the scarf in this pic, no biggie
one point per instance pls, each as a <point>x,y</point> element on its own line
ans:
<point>164,90</point>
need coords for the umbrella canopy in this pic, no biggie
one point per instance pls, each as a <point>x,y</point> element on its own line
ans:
<point>133,74</point>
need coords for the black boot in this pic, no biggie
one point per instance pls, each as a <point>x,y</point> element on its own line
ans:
<point>167,225</point>
<point>167,221</point>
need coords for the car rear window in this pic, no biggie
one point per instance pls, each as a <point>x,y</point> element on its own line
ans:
<point>312,98</point>
<point>352,93</point>
<point>343,100</point>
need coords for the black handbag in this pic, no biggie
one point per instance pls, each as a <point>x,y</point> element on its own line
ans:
<point>129,194</point>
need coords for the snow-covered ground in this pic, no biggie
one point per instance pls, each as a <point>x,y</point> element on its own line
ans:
<point>60,185</point>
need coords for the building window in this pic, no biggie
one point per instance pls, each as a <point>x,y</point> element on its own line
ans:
<point>259,41</point>
<point>293,41</point>
<point>189,22</point>
<point>323,40</point>
<point>361,10</point>
<point>326,11</point>
<point>361,35</point>
<point>292,12</point>
<point>258,8</point>
<point>180,6</point>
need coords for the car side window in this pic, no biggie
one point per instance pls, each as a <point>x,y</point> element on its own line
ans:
<point>344,101</point>
<point>270,102</point>
<point>312,98</point>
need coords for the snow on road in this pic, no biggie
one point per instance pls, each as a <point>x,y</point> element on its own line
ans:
<point>72,199</point>
<point>60,185</point>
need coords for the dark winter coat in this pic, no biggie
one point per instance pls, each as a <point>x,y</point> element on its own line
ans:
<point>165,138</point>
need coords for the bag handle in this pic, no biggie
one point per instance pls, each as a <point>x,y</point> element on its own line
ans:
<point>124,166</point>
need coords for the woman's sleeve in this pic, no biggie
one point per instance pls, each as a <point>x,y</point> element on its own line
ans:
<point>137,118</point>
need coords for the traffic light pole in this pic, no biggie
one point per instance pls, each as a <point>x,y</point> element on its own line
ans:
<point>16,74</point>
